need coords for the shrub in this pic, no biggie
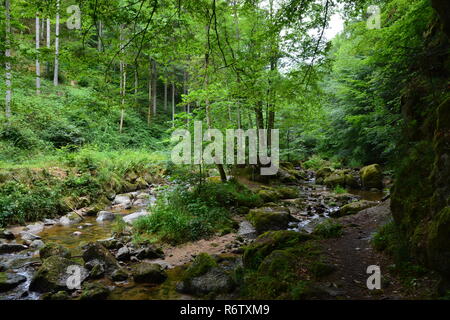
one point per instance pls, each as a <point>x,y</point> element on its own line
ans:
<point>328,229</point>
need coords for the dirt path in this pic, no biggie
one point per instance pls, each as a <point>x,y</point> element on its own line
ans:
<point>352,254</point>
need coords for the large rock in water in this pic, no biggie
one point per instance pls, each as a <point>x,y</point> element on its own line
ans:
<point>70,219</point>
<point>9,281</point>
<point>148,273</point>
<point>52,276</point>
<point>94,253</point>
<point>355,207</point>
<point>269,218</point>
<point>53,249</point>
<point>372,177</point>
<point>11,247</point>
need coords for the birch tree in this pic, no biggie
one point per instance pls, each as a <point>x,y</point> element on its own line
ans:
<point>56,70</point>
<point>38,66</point>
<point>8,75</point>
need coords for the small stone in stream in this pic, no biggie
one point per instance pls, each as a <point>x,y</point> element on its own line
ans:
<point>105,216</point>
<point>50,222</point>
<point>94,291</point>
<point>7,235</point>
<point>119,275</point>
<point>70,219</point>
<point>53,249</point>
<point>77,234</point>
<point>37,244</point>
<point>11,248</point>
<point>9,281</point>
<point>148,273</point>
<point>35,228</point>
<point>123,254</point>
<point>28,236</point>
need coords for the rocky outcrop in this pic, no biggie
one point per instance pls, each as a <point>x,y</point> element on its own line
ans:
<point>9,281</point>
<point>96,254</point>
<point>53,249</point>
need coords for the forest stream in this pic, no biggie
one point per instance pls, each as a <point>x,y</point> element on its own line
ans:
<point>75,235</point>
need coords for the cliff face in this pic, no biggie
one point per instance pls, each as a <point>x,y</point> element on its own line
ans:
<point>421,195</point>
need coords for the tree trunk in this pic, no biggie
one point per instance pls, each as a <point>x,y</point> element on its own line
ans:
<point>56,70</point>
<point>38,66</point>
<point>155,79</point>
<point>8,75</point>
<point>165,91</point>
<point>150,77</point>
<point>123,80</point>
<point>48,43</point>
<point>173,103</point>
<point>99,36</point>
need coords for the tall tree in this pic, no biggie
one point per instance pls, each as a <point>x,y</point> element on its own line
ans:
<point>38,66</point>
<point>56,69</point>
<point>8,75</point>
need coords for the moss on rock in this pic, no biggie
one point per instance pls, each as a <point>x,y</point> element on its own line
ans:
<point>372,177</point>
<point>269,218</point>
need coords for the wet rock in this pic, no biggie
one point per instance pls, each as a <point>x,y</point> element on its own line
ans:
<point>28,236</point>
<point>149,252</point>
<point>58,296</point>
<point>35,228</point>
<point>53,249</point>
<point>111,243</point>
<point>50,222</point>
<point>269,218</point>
<point>323,173</point>
<point>77,234</point>
<point>53,275</point>
<point>355,207</point>
<point>372,177</point>
<point>37,244</point>
<point>7,235</point>
<point>134,216</point>
<point>119,275</point>
<point>95,291</point>
<point>215,281</point>
<point>123,254</point>
<point>122,200</point>
<point>11,247</point>
<point>95,251</point>
<point>148,273</point>
<point>9,281</point>
<point>105,216</point>
<point>70,219</point>
<point>97,270</point>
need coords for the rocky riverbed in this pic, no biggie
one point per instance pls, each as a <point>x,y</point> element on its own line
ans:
<point>115,267</point>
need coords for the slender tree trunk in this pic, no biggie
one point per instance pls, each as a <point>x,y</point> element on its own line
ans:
<point>99,36</point>
<point>186,92</point>
<point>123,79</point>
<point>223,175</point>
<point>8,74</point>
<point>38,66</point>
<point>165,91</point>
<point>173,103</point>
<point>155,81</point>
<point>48,44</point>
<point>150,77</point>
<point>56,71</point>
<point>136,83</point>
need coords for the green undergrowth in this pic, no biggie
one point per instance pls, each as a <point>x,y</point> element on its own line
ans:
<point>183,213</point>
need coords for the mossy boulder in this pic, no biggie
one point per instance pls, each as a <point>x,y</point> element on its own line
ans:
<point>288,192</point>
<point>269,218</point>
<point>58,296</point>
<point>335,179</point>
<point>269,195</point>
<point>355,207</point>
<point>323,173</point>
<point>268,242</point>
<point>95,253</point>
<point>95,291</point>
<point>53,249</point>
<point>52,276</point>
<point>201,265</point>
<point>372,177</point>
<point>148,273</point>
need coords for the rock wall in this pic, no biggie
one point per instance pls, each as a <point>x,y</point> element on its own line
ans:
<point>421,195</point>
